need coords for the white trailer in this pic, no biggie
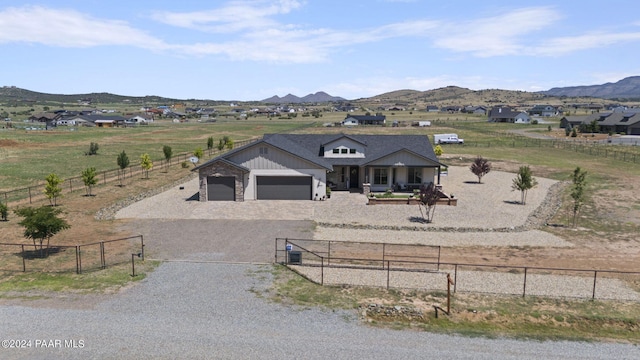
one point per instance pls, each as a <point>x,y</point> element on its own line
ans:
<point>447,139</point>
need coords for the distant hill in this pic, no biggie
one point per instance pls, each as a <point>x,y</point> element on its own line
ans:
<point>319,97</point>
<point>11,94</point>
<point>627,88</point>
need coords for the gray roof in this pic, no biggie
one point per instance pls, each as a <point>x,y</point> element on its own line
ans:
<point>308,147</point>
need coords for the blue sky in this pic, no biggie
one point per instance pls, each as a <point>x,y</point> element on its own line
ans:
<point>254,49</point>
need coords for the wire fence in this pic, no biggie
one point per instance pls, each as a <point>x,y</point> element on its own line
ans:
<point>70,258</point>
<point>409,270</point>
<point>35,192</point>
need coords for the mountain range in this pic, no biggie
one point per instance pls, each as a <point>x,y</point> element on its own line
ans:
<point>625,89</point>
<point>319,97</point>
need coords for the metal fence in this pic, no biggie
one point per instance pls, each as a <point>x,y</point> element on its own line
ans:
<point>69,185</point>
<point>68,258</point>
<point>319,262</point>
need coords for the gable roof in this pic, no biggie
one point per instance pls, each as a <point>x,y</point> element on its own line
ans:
<point>309,147</point>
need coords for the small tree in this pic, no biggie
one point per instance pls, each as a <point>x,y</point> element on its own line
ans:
<point>579,183</point>
<point>221,145</point>
<point>229,144</point>
<point>428,198</point>
<point>93,149</point>
<point>523,182</point>
<point>480,168</point>
<point>52,188</point>
<point>89,177</point>
<point>168,153</point>
<point>210,143</point>
<point>4,211</point>
<point>146,163</point>
<point>41,223</point>
<point>123,162</point>
<point>438,150</point>
<point>198,153</point>
<point>574,132</point>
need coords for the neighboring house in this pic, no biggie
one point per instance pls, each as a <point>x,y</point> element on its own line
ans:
<point>614,122</point>
<point>140,119</point>
<point>432,108</point>
<point>544,110</point>
<point>477,110</point>
<point>364,120</point>
<point>301,166</point>
<point>506,114</point>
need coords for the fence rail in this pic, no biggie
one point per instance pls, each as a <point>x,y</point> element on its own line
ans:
<point>409,272</point>
<point>63,258</point>
<point>69,185</point>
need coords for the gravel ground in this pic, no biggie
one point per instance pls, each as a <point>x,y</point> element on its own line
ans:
<point>177,313</point>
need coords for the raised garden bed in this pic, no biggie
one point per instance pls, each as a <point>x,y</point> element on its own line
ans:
<point>408,201</point>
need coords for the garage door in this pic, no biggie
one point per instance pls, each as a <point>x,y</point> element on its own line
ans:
<point>284,187</point>
<point>221,188</point>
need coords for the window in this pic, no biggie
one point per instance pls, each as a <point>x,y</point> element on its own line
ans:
<point>352,151</point>
<point>264,150</point>
<point>343,151</point>
<point>415,176</point>
<point>336,151</point>
<point>380,176</point>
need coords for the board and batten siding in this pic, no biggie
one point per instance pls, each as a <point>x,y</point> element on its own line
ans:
<point>273,159</point>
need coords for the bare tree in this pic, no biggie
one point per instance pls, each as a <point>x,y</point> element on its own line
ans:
<point>480,168</point>
<point>428,197</point>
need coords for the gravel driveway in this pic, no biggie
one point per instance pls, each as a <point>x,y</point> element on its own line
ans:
<point>211,311</point>
<point>180,227</point>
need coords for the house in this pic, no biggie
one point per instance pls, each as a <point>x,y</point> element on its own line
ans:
<point>506,114</point>
<point>477,110</point>
<point>302,166</point>
<point>544,110</point>
<point>432,108</point>
<point>140,119</point>
<point>364,120</point>
<point>613,122</point>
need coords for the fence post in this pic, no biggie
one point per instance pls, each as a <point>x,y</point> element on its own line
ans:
<point>29,194</point>
<point>595,276</point>
<point>275,254</point>
<point>388,271</point>
<point>455,278</point>
<point>329,253</point>
<point>524,289</point>
<point>383,251</point>
<point>24,264</point>
<point>321,271</point>
<point>142,246</point>
<point>77,259</point>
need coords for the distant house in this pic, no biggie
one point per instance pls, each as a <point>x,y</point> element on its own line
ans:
<point>140,119</point>
<point>451,109</point>
<point>507,114</point>
<point>432,108</point>
<point>614,122</point>
<point>351,120</point>
<point>544,110</point>
<point>477,110</point>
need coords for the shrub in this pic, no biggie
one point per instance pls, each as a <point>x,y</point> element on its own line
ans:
<point>4,211</point>
<point>185,164</point>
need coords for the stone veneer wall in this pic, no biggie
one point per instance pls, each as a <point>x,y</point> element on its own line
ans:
<point>221,169</point>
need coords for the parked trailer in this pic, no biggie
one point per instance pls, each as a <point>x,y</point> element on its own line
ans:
<point>447,139</point>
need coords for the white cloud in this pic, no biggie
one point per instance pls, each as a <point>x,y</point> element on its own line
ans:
<point>569,44</point>
<point>69,28</point>
<point>497,35</point>
<point>234,17</point>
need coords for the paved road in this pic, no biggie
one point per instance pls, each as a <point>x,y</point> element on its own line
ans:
<point>211,311</point>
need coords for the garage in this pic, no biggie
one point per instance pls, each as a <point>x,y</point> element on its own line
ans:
<point>221,188</point>
<point>284,187</point>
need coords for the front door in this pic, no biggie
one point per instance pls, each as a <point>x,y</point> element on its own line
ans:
<point>354,177</point>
